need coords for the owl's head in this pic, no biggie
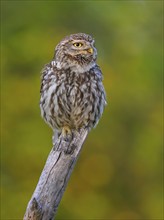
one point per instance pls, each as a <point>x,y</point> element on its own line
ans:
<point>76,51</point>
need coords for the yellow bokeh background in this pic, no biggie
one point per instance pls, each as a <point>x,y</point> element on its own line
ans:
<point>119,172</point>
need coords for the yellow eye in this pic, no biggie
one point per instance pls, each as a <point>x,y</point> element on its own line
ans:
<point>78,44</point>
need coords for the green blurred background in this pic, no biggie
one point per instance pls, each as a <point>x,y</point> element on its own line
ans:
<point>119,172</point>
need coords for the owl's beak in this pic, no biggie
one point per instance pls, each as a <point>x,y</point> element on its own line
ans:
<point>90,50</point>
<point>87,51</point>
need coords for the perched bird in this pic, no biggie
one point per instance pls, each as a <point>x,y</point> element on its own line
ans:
<point>72,93</point>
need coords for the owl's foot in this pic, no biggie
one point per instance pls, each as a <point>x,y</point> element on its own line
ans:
<point>66,133</point>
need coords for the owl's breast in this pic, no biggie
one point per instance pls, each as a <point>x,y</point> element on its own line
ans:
<point>73,100</point>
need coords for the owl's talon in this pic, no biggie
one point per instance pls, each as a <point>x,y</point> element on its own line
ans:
<point>66,133</point>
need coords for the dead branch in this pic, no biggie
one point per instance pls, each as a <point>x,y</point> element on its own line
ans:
<point>54,177</point>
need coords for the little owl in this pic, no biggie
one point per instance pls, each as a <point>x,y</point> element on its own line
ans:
<point>72,93</point>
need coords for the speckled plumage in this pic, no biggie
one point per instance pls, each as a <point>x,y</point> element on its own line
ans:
<point>72,93</point>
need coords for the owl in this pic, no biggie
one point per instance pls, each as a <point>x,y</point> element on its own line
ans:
<point>72,92</point>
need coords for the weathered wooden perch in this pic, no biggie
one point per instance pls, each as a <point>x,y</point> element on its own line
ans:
<point>54,178</point>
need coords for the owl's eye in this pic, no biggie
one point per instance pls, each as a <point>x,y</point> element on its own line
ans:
<point>78,44</point>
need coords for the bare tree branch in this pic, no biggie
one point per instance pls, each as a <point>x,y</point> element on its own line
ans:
<point>54,178</point>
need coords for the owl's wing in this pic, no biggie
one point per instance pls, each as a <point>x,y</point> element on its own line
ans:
<point>99,74</point>
<point>49,73</point>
